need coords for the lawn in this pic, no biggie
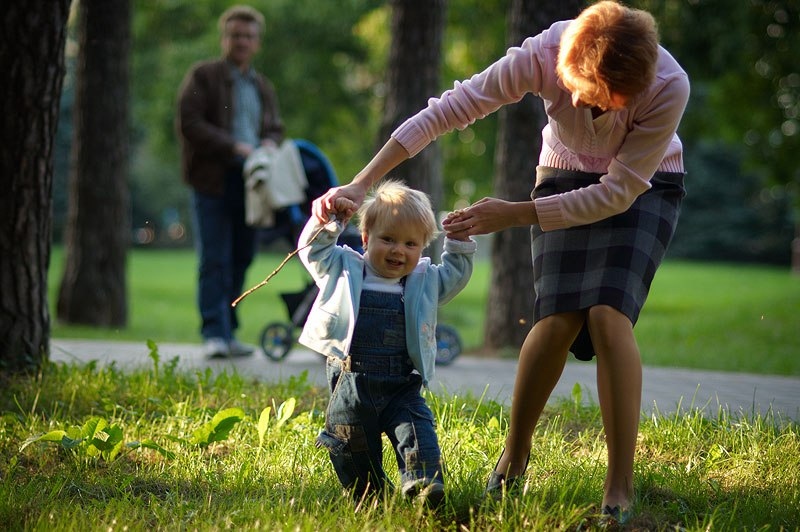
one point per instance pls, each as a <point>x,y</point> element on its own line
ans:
<point>93,448</point>
<point>728,317</point>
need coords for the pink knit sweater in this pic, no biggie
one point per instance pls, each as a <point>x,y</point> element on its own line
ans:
<point>627,146</point>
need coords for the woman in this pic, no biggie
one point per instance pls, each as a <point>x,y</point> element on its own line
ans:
<point>608,190</point>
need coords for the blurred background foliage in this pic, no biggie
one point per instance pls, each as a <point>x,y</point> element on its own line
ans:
<point>741,130</point>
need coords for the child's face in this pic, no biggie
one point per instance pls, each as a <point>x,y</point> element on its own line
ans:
<point>393,250</point>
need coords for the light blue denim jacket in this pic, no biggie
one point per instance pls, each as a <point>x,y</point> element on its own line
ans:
<point>339,273</point>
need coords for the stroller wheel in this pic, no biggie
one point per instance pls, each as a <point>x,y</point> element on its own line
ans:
<point>448,345</point>
<point>276,340</point>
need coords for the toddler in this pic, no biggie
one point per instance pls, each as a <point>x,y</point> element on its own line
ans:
<point>375,320</point>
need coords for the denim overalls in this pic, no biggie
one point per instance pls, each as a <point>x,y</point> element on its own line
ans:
<point>374,391</point>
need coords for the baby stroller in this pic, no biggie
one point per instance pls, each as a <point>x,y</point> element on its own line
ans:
<point>277,338</point>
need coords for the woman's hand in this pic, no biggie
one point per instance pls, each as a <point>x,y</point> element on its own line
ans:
<point>488,215</point>
<point>343,202</point>
<point>388,157</point>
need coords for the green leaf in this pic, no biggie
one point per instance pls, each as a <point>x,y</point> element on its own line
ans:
<point>71,443</point>
<point>107,439</point>
<point>263,424</point>
<point>150,444</point>
<point>74,435</point>
<point>115,433</point>
<point>92,426</point>
<point>218,428</point>
<point>52,436</point>
<point>176,439</point>
<point>73,438</point>
<point>285,411</point>
<point>154,356</point>
<point>577,395</point>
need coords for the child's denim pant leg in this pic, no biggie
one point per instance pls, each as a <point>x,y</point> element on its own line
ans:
<point>409,424</point>
<point>352,435</point>
<point>361,408</point>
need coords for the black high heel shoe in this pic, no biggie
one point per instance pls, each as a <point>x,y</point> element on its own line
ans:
<point>616,514</point>
<point>498,483</point>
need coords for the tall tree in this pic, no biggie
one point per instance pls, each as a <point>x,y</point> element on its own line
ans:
<point>415,58</point>
<point>32,57</point>
<point>93,287</point>
<point>509,308</point>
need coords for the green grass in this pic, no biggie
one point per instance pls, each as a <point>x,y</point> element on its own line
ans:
<point>705,316</point>
<point>728,317</point>
<point>162,297</point>
<point>163,462</point>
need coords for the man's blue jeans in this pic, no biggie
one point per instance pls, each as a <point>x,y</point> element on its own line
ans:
<point>225,247</point>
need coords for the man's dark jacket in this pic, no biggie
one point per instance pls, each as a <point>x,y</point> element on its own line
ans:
<point>205,113</point>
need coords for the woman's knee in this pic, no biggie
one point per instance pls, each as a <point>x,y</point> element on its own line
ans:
<point>557,331</point>
<point>606,313</point>
<point>609,328</point>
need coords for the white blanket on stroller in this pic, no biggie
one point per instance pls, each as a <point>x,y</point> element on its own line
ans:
<point>274,178</point>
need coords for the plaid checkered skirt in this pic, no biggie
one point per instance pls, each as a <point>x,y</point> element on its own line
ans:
<point>609,262</point>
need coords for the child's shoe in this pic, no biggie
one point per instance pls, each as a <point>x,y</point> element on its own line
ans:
<point>430,491</point>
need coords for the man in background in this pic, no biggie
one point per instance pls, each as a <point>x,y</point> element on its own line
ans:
<point>225,110</point>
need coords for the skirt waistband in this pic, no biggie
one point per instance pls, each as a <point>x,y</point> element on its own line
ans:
<point>668,179</point>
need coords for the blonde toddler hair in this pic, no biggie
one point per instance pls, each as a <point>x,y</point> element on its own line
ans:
<point>393,202</point>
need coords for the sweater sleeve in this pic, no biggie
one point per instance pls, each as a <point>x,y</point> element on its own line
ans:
<point>652,133</point>
<point>505,81</point>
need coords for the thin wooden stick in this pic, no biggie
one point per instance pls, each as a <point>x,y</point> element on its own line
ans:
<point>276,270</point>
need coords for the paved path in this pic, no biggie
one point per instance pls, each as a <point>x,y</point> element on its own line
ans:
<point>665,390</point>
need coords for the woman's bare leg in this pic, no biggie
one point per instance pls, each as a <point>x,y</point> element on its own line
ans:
<point>541,362</point>
<point>619,388</point>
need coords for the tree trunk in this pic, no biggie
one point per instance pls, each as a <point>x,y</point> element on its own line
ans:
<point>414,67</point>
<point>796,250</point>
<point>509,310</point>
<point>32,59</point>
<point>93,288</point>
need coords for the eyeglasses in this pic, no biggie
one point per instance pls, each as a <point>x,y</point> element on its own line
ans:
<point>242,36</point>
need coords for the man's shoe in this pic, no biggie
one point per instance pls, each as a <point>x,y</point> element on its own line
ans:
<point>215,348</point>
<point>238,349</point>
<point>424,489</point>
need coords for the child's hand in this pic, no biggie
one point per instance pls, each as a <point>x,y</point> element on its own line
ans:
<point>450,218</point>
<point>344,208</point>
<point>462,236</point>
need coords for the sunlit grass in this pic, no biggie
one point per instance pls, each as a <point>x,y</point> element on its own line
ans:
<point>717,472</point>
